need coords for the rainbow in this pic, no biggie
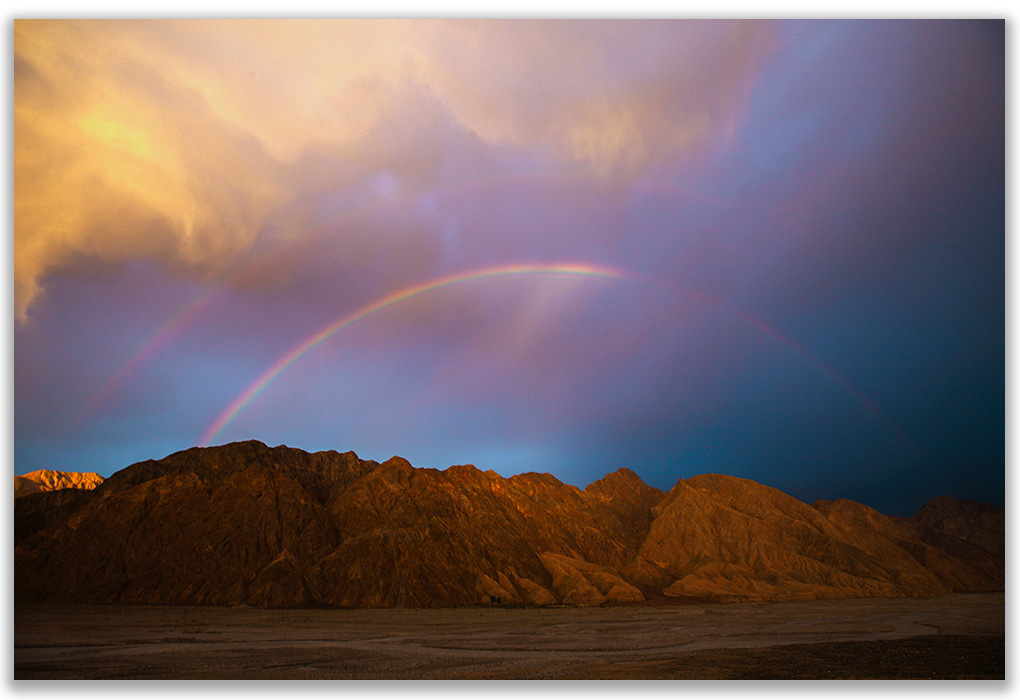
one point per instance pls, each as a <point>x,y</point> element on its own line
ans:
<point>863,401</point>
<point>179,320</point>
<point>153,344</point>
<point>169,329</point>
<point>867,404</point>
<point>581,270</point>
<point>762,328</point>
<point>392,299</point>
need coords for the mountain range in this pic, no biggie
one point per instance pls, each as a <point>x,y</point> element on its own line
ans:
<point>280,527</point>
<point>50,480</point>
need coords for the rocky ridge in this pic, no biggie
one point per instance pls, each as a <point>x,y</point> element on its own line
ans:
<point>50,480</point>
<point>248,524</point>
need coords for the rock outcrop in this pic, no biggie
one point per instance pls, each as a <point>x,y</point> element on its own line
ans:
<point>249,524</point>
<point>50,480</point>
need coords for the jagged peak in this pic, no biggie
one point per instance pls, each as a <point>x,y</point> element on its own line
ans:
<point>349,454</point>
<point>533,478</point>
<point>717,481</point>
<point>621,475</point>
<point>236,446</point>
<point>467,473</point>
<point>623,482</point>
<point>396,462</point>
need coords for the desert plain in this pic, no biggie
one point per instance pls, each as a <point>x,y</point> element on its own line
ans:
<point>954,636</point>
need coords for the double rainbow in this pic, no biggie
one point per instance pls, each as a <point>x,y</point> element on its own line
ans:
<point>575,270</point>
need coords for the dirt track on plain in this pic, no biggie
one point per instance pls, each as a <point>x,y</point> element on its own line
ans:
<point>958,636</point>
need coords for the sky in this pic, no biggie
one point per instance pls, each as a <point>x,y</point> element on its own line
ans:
<point>769,249</point>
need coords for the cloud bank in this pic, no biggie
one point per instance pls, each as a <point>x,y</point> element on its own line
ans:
<point>189,142</point>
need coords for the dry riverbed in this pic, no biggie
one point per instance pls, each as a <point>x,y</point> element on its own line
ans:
<point>958,636</point>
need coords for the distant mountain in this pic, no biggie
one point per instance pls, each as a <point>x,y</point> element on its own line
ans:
<point>246,523</point>
<point>49,480</point>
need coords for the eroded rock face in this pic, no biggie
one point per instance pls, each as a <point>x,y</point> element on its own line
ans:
<point>733,539</point>
<point>246,523</point>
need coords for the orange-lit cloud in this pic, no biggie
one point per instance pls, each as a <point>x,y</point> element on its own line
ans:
<point>180,140</point>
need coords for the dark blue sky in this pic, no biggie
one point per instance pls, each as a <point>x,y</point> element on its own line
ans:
<point>773,250</point>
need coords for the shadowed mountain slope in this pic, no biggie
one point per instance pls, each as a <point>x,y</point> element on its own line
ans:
<point>246,523</point>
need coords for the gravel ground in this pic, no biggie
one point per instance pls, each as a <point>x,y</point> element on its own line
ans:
<point>958,636</point>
